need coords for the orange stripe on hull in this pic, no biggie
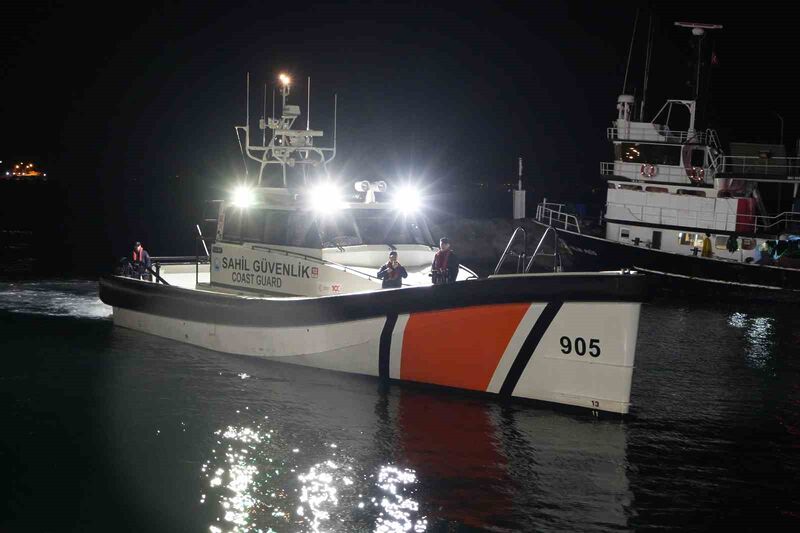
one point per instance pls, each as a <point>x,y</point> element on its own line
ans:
<point>458,348</point>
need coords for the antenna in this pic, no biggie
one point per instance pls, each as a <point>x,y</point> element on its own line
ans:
<point>630,50</point>
<point>247,107</point>
<point>264,118</point>
<point>647,66</point>
<point>273,112</point>
<point>308,107</point>
<point>335,110</point>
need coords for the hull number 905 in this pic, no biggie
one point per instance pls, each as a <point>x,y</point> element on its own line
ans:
<point>580,346</point>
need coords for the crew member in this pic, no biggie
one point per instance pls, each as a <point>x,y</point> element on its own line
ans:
<point>141,263</point>
<point>707,251</point>
<point>445,264</point>
<point>392,273</point>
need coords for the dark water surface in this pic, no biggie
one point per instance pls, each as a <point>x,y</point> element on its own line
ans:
<point>105,429</point>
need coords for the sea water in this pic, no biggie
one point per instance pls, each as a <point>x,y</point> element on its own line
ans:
<point>107,429</point>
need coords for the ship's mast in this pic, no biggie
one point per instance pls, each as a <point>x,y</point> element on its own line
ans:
<point>288,147</point>
<point>699,31</point>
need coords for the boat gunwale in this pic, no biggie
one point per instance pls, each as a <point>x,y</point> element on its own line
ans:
<point>259,311</point>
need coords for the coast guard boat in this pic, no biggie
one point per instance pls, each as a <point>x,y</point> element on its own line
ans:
<point>290,277</point>
<point>668,188</point>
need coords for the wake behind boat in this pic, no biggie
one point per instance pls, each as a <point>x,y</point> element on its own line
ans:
<point>291,277</point>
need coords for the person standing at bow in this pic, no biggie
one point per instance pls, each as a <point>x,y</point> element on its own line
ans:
<point>141,263</point>
<point>392,273</point>
<point>445,264</point>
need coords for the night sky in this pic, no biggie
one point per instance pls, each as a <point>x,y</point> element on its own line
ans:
<point>132,106</point>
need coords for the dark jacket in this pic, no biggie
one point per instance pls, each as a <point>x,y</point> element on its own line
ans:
<point>444,267</point>
<point>392,278</point>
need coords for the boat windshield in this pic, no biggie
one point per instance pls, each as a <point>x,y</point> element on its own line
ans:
<point>390,228</point>
<point>368,227</point>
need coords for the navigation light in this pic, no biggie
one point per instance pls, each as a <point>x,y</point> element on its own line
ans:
<point>285,79</point>
<point>243,196</point>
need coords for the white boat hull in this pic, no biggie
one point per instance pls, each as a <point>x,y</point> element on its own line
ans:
<point>573,353</point>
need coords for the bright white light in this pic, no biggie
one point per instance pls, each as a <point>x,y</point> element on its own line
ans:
<point>325,198</point>
<point>286,80</point>
<point>243,196</point>
<point>407,199</point>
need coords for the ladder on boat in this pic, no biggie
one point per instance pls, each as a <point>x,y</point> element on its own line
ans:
<point>523,267</point>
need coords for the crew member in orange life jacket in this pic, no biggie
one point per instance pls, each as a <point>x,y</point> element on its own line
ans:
<point>392,273</point>
<point>141,262</point>
<point>445,264</point>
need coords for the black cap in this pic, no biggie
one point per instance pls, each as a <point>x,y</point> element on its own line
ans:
<point>393,252</point>
<point>137,244</point>
<point>444,240</point>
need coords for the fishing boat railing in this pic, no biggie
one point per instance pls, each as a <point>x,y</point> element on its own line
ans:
<point>757,166</point>
<point>556,215</point>
<point>658,133</point>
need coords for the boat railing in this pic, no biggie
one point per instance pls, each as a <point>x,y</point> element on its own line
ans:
<point>509,250</point>
<point>652,172</point>
<point>778,167</point>
<point>525,267</point>
<point>743,224</point>
<point>658,133</point>
<point>556,215</point>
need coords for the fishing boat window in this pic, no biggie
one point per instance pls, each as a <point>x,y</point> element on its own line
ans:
<point>656,189</point>
<point>389,228</point>
<point>690,239</point>
<point>748,244</point>
<point>698,157</point>
<point>721,242</point>
<point>656,154</point>
<point>690,192</point>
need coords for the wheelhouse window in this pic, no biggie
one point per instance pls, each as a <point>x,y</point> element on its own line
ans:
<point>382,227</point>
<point>339,230</point>
<point>270,226</point>
<point>656,154</point>
<point>232,230</point>
<point>747,243</point>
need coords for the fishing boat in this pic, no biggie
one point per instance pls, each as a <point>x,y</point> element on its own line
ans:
<point>682,210</point>
<point>290,276</point>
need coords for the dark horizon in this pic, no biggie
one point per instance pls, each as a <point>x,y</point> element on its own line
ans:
<point>134,113</point>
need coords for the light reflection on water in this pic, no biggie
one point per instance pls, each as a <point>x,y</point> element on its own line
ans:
<point>250,495</point>
<point>758,331</point>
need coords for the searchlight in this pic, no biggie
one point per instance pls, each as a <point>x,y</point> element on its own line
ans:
<point>407,200</point>
<point>325,198</point>
<point>243,196</point>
